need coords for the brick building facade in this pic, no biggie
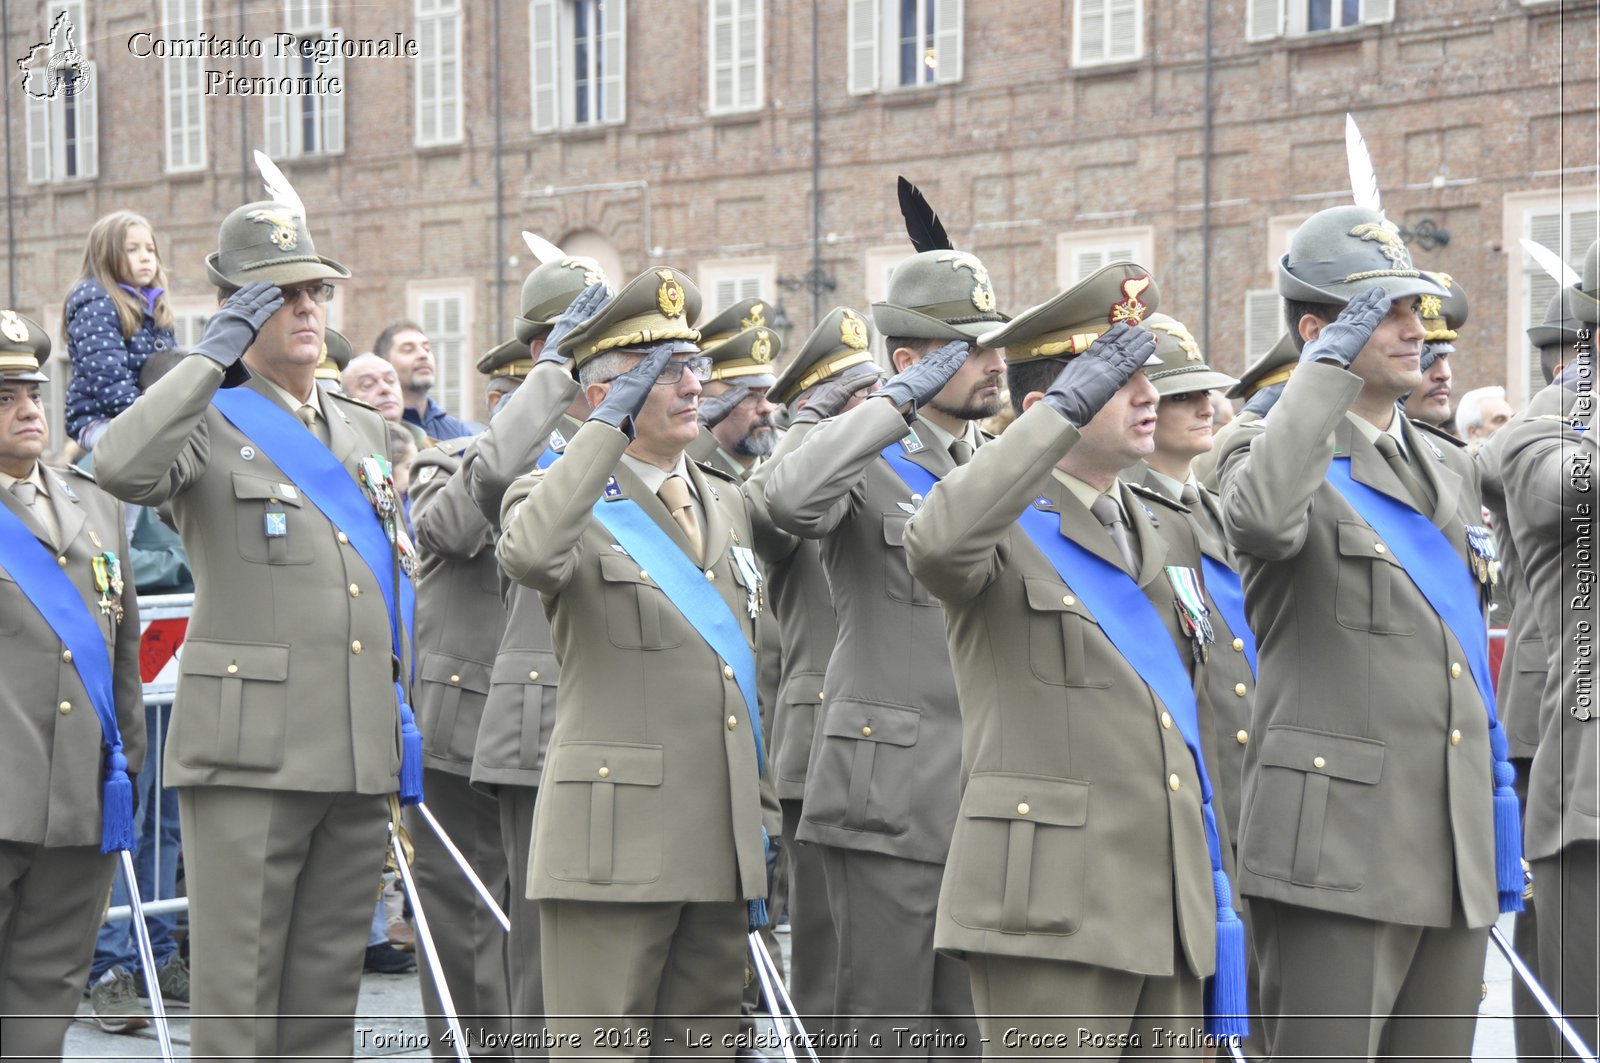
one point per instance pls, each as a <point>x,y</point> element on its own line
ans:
<point>1049,134</point>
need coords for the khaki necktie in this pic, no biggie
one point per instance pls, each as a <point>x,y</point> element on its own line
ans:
<point>308,416</point>
<point>674,494</point>
<point>28,495</point>
<point>1190,496</point>
<point>1108,511</point>
<point>1390,450</point>
<point>961,452</point>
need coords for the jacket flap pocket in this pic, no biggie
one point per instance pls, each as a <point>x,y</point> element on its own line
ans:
<point>525,666</point>
<point>455,671</point>
<point>622,763</point>
<point>873,723</point>
<point>1531,655</point>
<point>620,568</point>
<point>235,660</point>
<point>259,487</point>
<point>894,529</point>
<point>1034,798</point>
<point>802,688</point>
<point>1052,596</point>
<point>1321,753</point>
<point>1358,540</point>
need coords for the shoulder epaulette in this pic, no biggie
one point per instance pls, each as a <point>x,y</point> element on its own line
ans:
<point>74,470</point>
<point>1156,496</point>
<point>351,399</point>
<point>1440,433</point>
<point>719,472</point>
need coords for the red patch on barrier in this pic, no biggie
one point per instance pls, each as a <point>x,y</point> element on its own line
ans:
<point>158,644</point>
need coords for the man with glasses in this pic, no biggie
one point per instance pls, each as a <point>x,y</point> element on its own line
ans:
<point>648,835</point>
<point>287,730</point>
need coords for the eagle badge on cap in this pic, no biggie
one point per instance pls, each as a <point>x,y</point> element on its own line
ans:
<point>669,297</point>
<point>1130,309</point>
<point>1186,341</point>
<point>12,326</point>
<point>761,349</point>
<point>853,332</point>
<point>757,316</point>
<point>1389,242</point>
<point>982,293</point>
<point>590,276</point>
<point>285,227</point>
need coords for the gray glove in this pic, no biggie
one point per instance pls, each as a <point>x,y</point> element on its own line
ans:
<point>628,392</point>
<point>1261,402</point>
<point>1430,354</point>
<point>828,398</point>
<point>921,381</point>
<point>1578,369</point>
<point>1342,339</point>
<point>581,309</point>
<point>232,330</point>
<point>1087,383</point>
<point>715,410</point>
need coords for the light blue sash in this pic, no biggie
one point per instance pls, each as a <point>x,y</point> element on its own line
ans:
<point>330,487</point>
<point>1433,566</point>
<point>1227,593</point>
<point>52,593</point>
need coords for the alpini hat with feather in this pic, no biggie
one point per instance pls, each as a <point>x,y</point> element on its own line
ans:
<point>939,293</point>
<point>268,241</point>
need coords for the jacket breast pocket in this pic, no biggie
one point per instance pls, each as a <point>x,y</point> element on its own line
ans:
<point>445,682</point>
<point>869,749</point>
<point>1059,630</point>
<point>1020,844</point>
<point>1369,579</point>
<point>637,611</point>
<point>898,582</point>
<point>273,525</point>
<point>527,679</point>
<point>233,704</point>
<point>1312,808</point>
<point>599,788</point>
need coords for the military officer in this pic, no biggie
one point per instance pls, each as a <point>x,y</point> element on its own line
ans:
<point>648,833</point>
<point>736,409</point>
<point>1548,470</point>
<point>336,354</point>
<point>833,372</point>
<point>881,788</point>
<point>1429,403</point>
<point>1081,887</point>
<point>1375,783</point>
<point>289,728</point>
<point>71,709</point>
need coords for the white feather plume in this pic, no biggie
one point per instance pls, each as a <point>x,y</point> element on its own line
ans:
<point>1551,263</point>
<point>542,249</point>
<point>279,190</point>
<point>1363,179</point>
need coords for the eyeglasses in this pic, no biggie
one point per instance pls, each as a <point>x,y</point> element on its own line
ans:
<point>320,292</point>
<point>699,367</point>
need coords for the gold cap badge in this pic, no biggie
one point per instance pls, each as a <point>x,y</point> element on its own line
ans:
<point>285,227</point>
<point>853,331</point>
<point>12,326</point>
<point>669,297</point>
<point>1387,236</point>
<point>761,348</point>
<point>757,316</point>
<point>1130,309</point>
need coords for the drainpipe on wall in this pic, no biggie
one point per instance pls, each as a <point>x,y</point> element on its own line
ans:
<point>1205,207</point>
<point>499,242</point>
<point>816,168</point>
<point>11,223</point>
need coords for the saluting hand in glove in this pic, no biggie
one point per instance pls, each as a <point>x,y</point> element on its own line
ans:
<point>1087,383</point>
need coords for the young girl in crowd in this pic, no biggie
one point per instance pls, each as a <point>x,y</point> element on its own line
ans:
<point>116,317</point>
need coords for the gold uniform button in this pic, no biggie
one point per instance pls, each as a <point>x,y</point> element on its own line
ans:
<point>727,671</point>
<point>1166,720</point>
<point>1318,762</point>
<point>355,591</point>
<point>1455,738</point>
<point>455,679</point>
<point>1455,670</point>
<point>1242,737</point>
<point>605,773</point>
<point>65,707</point>
<point>1172,782</point>
<point>532,676</point>
<point>1023,809</point>
<point>1067,599</point>
<point>355,647</point>
<point>643,574</point>
<point>233,669</point>
<point>710,575</point>
<point>1238,644</point>
<point>1379,548</point>
<point>66,656</point>
<point>866,732</point>
<point>62,561</point>
<point>1239,689</point>
<point>733,721</point>
<point>343,538</point>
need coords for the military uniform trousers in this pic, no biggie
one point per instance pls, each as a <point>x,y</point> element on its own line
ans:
<point>522,946</point>
<point>50,904</point>
<point>1567,885</point>
<point>471,943</point>
<point>281,885</point>
<point>813,941</point>
<point>1342,987</point>
<point>888,973</point>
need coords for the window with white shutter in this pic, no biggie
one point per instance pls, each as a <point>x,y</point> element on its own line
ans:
<point>1267,19</point>
<point>189,317</point>
<point>735,55</point>
<point>308,123</point>
<point>577,55</point>
<point>1566,229</point>
<point>61,109</point>
<point>1107,31</point>
<point>183,90</point>
<point>444,310</point>
<point>1263,322</point>
<point>1078,254</point>
<point>726,281</point>
<point>438,72</point>
<point>902,44</point>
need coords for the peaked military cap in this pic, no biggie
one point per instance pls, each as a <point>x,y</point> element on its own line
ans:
<point>1344,250</point>
<point>746,360</point>
<point>548,290</point>
<point>512,358</point>
<point>1443,316</point>
<point>656,305</point>
<point>1068,324</point>
<point>938,295</point>
<point>1271,368</point>
<point>336,354</point>
<point>745,314</point>
<point>1587,296</point>
<point>267,241</point>
<point>1561,321</point>
<point>839,342</point>
<point>1183,368</point>
<point>24,347</point>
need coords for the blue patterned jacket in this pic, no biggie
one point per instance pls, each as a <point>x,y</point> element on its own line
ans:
<point>105,366</point>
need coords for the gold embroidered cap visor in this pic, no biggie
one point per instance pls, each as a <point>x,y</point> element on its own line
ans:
<point>1068,324</point>
<point>513,358</point>
<point>838,343</point>
<point>267,241</point>
<point>1182,367</point>
<point>1271,368</point>
<point>1342,251</point>
<point>24,349</point>
<point>938,295</point>
<point>1443,317</point>
<point>655,306</point>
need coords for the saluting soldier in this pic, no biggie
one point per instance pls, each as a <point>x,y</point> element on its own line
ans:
<point>832,373</point>
<point>648,833</point>
<point>1549,461</point>
<point>290,720</point>
<point>1258,388</point>
<point>1429,404</point>
<point>736,408</point>
<point>1375,778</point>
<point>71,709</point>
<point>881,788</point>
<point>1085,886</point>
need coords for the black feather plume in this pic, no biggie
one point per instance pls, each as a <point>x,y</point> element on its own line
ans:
<point>922,224</point>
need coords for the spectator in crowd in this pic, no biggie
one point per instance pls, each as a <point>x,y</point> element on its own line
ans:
<point>1481,413</point>
<point>405,346</point>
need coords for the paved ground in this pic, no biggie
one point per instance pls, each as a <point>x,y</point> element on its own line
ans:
<point>391,1009</point>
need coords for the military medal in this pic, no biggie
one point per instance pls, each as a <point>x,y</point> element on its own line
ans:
<point>1485,561</point>
<point>377,479</point>
<point>744,560</point>
<point>1193,615</point>
<point>108,581</point>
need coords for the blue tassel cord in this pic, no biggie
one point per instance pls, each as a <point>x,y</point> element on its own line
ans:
<point>1507,838</point>
<point>1227,1005</point>
<point>116,817</point>
<point>410,752</point>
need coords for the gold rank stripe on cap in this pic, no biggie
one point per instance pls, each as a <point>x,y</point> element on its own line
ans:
<point>1054,344</point>
<point>517,370</point>
<point>741,368</point>
<point>1267,381</point>
<point>639,336</point>
<point>18,362</point>
<point>824,370</point>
